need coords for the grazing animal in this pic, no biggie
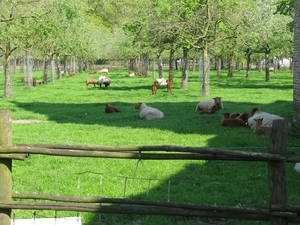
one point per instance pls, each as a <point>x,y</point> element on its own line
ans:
<point>104,80</point>
<point>154,87</point>
<point>147,112</point>
<point>161,81</point>
<point>231,122</point>
<point>72,74</point>
<point>213,110</point>
<point>31,81</point>
<point>91,81</point>
<point>169,85</point>
<point>267,118</point>
<point>102,71</point>
<point>110,109</point>
<point>208,104</point>
<point>93,72</point>
<point>260,128</point>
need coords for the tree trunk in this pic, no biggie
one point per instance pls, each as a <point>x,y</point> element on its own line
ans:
<point>206,70</point>
<point>219,65</point>
<point>276,65</point>
<point>59,75</point>
<point>296,65</point>
<point>194,64</point>
<point>52,68</point>
<point>133,65</point>
<point>73,65</point>
<point>46,62</point>
<point>267,65</point>
<point>27,69</point>
<point>14,66</point>
<point>7,87</point>
<point>230,65</point>
<point>248,66</point>
<point>65,65</point>
<point>145,67</point>
<point>80,65</point>
<point>171,65</point>
<point>185,67</point>
<point>160,65</point>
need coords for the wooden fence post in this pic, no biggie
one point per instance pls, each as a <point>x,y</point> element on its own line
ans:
<point>5,166</point>
<point>276,169</point>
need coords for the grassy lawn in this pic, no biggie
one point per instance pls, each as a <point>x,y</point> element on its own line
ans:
<point>71,113</point>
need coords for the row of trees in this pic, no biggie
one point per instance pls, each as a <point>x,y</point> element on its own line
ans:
<point>149,29</point>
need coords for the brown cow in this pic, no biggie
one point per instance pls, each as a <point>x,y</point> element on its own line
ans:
<point>91,81</point>
<point>169,85</point>
<point>154,87</point>
<point>110,109</point>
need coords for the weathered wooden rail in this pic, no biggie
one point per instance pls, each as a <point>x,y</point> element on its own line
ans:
<point>277,213</point>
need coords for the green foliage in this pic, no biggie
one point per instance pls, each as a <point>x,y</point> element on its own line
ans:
<point>285,7</point>
<point>71,113</point>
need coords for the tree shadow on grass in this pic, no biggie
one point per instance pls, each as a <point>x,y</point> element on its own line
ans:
<point>180,118</point>
<point>219,183</point>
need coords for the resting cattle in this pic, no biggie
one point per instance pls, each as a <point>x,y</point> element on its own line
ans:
<point>261,129</point>
<point>110,109</point>
<point>102,71</point>
<point>232,122</point>
<point>147,112</point>
<point>267,118</point>
<point>213,110</point>
<point>208,104</point>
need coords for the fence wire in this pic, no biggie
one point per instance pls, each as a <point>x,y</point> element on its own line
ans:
<point>247,193</point>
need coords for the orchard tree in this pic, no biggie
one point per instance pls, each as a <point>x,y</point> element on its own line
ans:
<point>201,28</point>
<point>13,28</point>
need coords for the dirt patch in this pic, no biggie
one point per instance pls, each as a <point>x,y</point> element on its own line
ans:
<point>28,121</point>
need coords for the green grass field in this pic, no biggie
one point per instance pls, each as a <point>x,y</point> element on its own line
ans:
<point>74,114</point>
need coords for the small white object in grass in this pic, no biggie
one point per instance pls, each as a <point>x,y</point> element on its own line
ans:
<point>297,167</point>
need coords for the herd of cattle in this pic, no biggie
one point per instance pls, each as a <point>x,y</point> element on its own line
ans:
<point>106,81</point>
<point>260,122</point>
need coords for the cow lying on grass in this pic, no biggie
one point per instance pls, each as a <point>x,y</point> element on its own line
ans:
<point>147,112</point>
<point>232,122</point>
<point>102,71</point>
<point>208,104</point>
<point>110,109</point>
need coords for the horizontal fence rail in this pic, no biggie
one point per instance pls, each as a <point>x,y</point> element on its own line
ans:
<point>141,152</point>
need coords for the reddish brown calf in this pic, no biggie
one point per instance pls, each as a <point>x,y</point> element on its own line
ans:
<point>110,109</point>
<point>154,87</point>
<point>169,85</point>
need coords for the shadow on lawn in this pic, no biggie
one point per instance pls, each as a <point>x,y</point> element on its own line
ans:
<point>233,183</point>
<point>180,117</point>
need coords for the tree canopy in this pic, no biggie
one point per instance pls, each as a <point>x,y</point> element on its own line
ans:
<point>105,29</point>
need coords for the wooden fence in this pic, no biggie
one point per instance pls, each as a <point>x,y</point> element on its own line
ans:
<point>278,212</point>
